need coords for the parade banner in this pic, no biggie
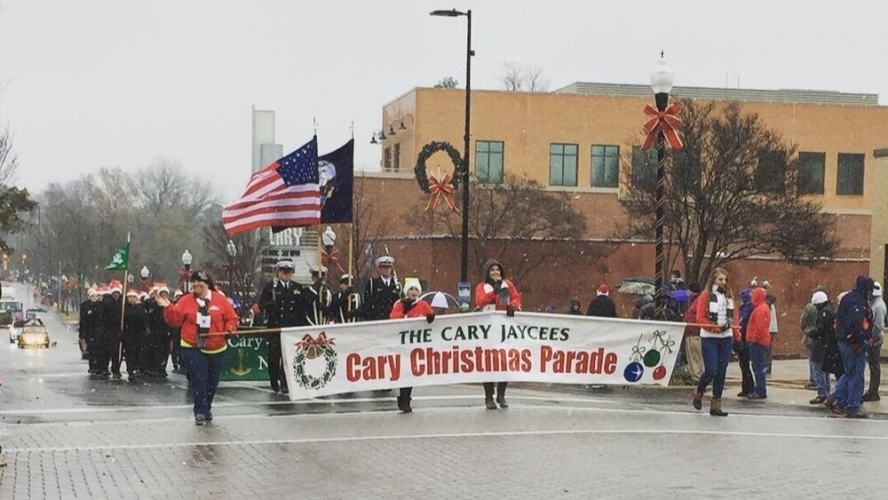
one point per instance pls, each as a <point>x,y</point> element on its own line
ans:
<point>246,358</point>
<point>478,347</point>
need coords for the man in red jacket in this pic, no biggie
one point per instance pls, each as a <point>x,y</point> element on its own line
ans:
<point>198,314</point>
<point>758,340</point>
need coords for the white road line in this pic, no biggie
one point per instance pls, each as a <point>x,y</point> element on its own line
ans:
<point>352,439</point>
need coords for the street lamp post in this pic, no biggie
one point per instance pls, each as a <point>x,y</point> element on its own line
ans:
<point>145,272</point>
<point>186,262</point>
<point>661,84</point>
<point>464,255</point>
<point>232,253</point>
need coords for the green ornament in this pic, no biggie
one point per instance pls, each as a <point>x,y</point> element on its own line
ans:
<point>652,358</point>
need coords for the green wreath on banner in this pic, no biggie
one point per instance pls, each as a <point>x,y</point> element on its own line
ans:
<point>308,381</point>
<point>422,177</point>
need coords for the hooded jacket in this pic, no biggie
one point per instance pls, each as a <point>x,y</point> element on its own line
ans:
<point>757,328</point>
<point>854,317</point>
<point>496,295</point>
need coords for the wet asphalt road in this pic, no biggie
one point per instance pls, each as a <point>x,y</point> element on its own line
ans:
<point>66,436</point>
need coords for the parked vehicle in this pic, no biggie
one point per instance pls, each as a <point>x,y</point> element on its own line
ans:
<point>33,335</point>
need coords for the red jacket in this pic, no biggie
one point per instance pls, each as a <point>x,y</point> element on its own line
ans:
<point>703,316</point>
<point>420,309</point>
<point>758,327</point>
<point>183,314</point>
<point>487,299</point>
<point>690,316</point>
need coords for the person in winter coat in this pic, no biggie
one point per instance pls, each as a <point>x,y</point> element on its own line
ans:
<point>747,384</point>
<point>198,314</point>
<point>644,307</point>
<point>574,307</point>
<point>693,349</point>
<point>758,340</point>
<point>410,307</point>
<point>824,350</point>
<point>873,359</point>
<point>497,293</point>
<point>854,320</point>
<point>135,334</point>
<point>807,322</point>
<point>602,306</point>
<point>715,308</point>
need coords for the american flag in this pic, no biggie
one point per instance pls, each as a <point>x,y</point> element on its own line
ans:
<point>285,193</point>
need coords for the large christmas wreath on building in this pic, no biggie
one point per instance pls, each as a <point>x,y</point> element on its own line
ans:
<point>422,177</point>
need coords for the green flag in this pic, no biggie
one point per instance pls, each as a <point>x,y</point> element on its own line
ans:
<point>120,259</point>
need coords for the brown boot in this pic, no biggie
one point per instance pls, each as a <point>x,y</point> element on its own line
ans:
<point>698,399</point>
<point>715,408</point>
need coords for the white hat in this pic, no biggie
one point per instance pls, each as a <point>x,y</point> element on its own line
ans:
<point>132,293</point>
<point>385,260</point>
<point>177,293</point>
<point>412,283</point>
<point>877,289</point>
<point>819,298</point>
<point>91,292</point>
<point>314,268</point>
<point>345,278</point>
<point>286,264</point>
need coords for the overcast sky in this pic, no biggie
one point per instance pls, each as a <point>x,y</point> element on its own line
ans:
<point>92,83</point>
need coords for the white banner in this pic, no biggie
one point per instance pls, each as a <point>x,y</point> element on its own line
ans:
<point>478,347</point>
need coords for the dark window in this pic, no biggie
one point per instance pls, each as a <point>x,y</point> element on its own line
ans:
<point>489,161</point>
<point>563,164</point>
<point>396,158</point>
<point>849,179</point>
<point>387,159</point>
<point>770,173</point>
<point>644,168</point>
<point>812,169</point>
<point>605,166</point>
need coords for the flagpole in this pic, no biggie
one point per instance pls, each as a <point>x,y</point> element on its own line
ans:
<point>123,303</point>
<point>351,248</point>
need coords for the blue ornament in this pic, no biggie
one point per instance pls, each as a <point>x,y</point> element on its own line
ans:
<point>633,372</point>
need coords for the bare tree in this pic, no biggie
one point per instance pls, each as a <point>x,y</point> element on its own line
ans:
<point>448,82</point>
<point>516,78</point>
<point>731,193</point>
<point>368,230</point>
<point>504,217</point>
<point>14,202</point>
<point>239,271</point>
<point>8,158</point>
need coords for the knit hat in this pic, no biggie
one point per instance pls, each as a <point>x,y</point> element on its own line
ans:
<point>177,293</point>
<point>115,287</point>
<point>91,292</point>
<point>412,283</point>
<point>819,298</point>
<point>602,290</point>
<point>877,289</point>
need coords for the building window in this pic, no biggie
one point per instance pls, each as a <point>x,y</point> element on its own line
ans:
<point>644,168</point>
<point>387,159</point>
<point>850,174</point>
<point>489,161</point>
<point>563,164</point>
<point>770,173</point>
<point>812,171</point>
<point>605,166</point>
<point>396,158</point>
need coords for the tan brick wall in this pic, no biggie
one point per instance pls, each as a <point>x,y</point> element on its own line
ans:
<point>879,238</point>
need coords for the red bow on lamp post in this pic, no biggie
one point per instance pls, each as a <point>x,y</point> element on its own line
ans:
<point>666,121</point>
<point>331,258</point>
<point>439,188</point>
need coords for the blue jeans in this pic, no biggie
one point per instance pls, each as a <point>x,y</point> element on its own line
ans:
<point>716,355</point>
<point>204,371</point>
<point>813,367</point>
<point>848,392</point>
<point>758,354</point>
<point>821,378</point>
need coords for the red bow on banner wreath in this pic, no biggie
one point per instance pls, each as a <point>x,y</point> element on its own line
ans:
<point>440,188</point>
<point>331,259</point>
<point>666,121</point>
<point>307,341</point>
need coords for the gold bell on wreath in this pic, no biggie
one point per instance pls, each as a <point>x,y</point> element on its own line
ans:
<point>314,351</point>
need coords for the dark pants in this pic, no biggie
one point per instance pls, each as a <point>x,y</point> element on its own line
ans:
<point>500,389</point>
<point>115,350</point>
<point>90,353</point>
<point>204,372</point>
<point>276,372</point>
<point>156,355</point>
<point>873,358</point>
<point>748,383</point>
<point>758,353</point>
<point>716,355</point>
<point>100,351</point>
<point>134,352</point>
<point>405,393</point>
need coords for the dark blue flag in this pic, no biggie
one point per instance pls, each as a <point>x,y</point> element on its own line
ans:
<point>337,181</point>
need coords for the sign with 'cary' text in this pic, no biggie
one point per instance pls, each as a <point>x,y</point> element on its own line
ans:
<point>478,347</point>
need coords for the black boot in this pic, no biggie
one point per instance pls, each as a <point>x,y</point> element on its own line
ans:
<point>501,394</point>
<point>488,396</point>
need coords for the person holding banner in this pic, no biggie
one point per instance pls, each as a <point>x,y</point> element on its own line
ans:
<point>197,314</point>
<point>496,293</point>
<point>381,292</point>
<point>410,307</point>
<point>283,304</point>
<point>715,308</point>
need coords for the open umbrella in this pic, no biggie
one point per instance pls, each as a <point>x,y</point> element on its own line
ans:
<point>636,286</point>
<point>442,300</point>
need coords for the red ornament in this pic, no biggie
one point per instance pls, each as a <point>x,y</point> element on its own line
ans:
<point>440,188</point>
<point>666,121</point>
<point>660,372</point>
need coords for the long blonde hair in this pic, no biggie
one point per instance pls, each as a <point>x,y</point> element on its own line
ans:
<point>711,281</point>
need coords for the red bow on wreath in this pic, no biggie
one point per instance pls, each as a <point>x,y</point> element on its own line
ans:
<point>331,258</point>
<point>440,188</point>
<point>307,341</point>
<point>666,121</point>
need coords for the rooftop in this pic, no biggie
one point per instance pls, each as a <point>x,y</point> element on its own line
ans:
<point>792,96</point>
